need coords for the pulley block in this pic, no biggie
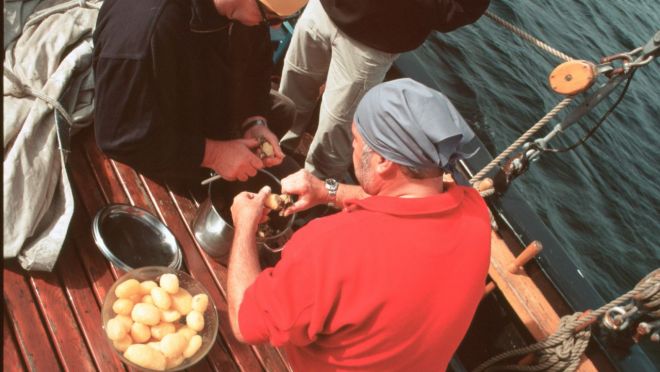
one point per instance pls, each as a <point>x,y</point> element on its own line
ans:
<point>572,77</point>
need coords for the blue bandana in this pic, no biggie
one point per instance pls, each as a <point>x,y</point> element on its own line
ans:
<point>412,125</point>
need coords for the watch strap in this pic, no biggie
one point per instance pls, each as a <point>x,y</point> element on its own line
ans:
<point>251,123</point>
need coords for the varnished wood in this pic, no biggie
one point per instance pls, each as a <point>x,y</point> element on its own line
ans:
<point>525,256</point>
<point>11,359</point>
<point>87,309</point>
<point>524,297</point>
<point>53,320</point>
<point>62,325</point>
<point>132,183</point>
<point>31,335</point>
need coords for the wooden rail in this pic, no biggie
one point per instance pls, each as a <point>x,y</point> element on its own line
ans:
<point>524,296</point>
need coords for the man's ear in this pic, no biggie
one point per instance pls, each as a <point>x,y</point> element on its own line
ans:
<point>383,166</point>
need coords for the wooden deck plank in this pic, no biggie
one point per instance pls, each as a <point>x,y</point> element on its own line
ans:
<point>101,168</point>
<point>159,207</point>
<point>525,298</point>
<point>94,264</point>
<point>88,312</point>
<point>99,271</point>
<point>11,357</point>
<point>63,328</point>
<point>31,335</point>
<point>271,358</point>
<point>202,366</point>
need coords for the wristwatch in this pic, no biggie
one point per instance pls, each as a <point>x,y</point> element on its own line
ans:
<point>252,123</point>
<point>332,185</point>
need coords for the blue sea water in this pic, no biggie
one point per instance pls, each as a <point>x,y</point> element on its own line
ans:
<point>602,199</point>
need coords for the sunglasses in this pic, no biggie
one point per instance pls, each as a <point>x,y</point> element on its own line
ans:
<point>270,18</point>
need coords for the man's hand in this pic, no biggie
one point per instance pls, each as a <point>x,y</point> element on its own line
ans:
<point>248,210</point>
<point>262,131</point>
<point>310,190</point>
<point>233,159</point>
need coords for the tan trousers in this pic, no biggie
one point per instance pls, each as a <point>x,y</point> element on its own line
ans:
<point>320,53</point>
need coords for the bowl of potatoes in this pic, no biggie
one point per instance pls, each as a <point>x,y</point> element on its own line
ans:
<point>159,319</point>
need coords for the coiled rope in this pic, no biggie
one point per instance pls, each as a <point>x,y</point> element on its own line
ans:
<point>536,127</point>
<point>562,350</point>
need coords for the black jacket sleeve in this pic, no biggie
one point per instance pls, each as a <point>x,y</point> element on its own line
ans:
<point>448,15</point>
<point>251,57</point>
<point>134,123</point>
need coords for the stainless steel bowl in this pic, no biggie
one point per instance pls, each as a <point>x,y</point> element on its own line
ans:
<point>131,237</point>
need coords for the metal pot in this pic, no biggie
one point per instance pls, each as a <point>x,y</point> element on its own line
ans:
<point>213,227</point>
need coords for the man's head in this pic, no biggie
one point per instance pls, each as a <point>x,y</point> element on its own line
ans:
<point>254,12</point>
<point>410,125</point>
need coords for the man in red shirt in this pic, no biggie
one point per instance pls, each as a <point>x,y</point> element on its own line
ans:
<point>392,281</point>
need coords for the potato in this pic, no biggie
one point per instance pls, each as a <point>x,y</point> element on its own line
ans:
<point>127,289</point>
<point>194,345</point>
<point>146,314</point>
<point>187,332</point>
<point>145,356</point>
<point>146,286</point>
<point>200,302</point>
<point>172,345</point>
<point>147,299</point>
<point>136,298</point>
<point>125,320</point>
<point>154,345</point>
<point>182,301</point>
<point>195,320</point>
<point>115,329</point>
<point>170,283</point>
<point>170,315</point>
<point>161,330</point>
<point>122,306</point>
<point>140,332</point>
<point>173,362</point>
<point>123,343</point>
<point>161,299</point>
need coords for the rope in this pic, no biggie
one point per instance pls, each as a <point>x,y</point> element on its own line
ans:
<point>23,90</point>
<point>528,37</point>
<point>559,352</point>
<point>486,193</point>
<point>562,350</point>
<point>530,132</point>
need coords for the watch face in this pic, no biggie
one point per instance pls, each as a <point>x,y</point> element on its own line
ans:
<point>331,184</point>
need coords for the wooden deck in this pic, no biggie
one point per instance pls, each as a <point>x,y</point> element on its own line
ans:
<point>52,321</point>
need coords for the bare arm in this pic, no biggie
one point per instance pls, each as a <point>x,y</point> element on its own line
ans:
<point>244,267</point>
<point>311,191</point>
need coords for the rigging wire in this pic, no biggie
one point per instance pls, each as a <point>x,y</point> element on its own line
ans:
<point>598,124</point>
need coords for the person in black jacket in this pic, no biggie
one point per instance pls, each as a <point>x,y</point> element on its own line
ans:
<point>184,84</point>
<point>349,45</point>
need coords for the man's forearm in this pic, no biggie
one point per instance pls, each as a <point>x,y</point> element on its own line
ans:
<point>243,270</point>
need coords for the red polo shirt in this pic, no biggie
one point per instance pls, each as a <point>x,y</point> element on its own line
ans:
<point>387,284</point>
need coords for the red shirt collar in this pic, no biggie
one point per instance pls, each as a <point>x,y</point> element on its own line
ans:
<point>445,201</point>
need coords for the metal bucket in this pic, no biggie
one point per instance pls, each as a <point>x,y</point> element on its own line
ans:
<point>213,227</point>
